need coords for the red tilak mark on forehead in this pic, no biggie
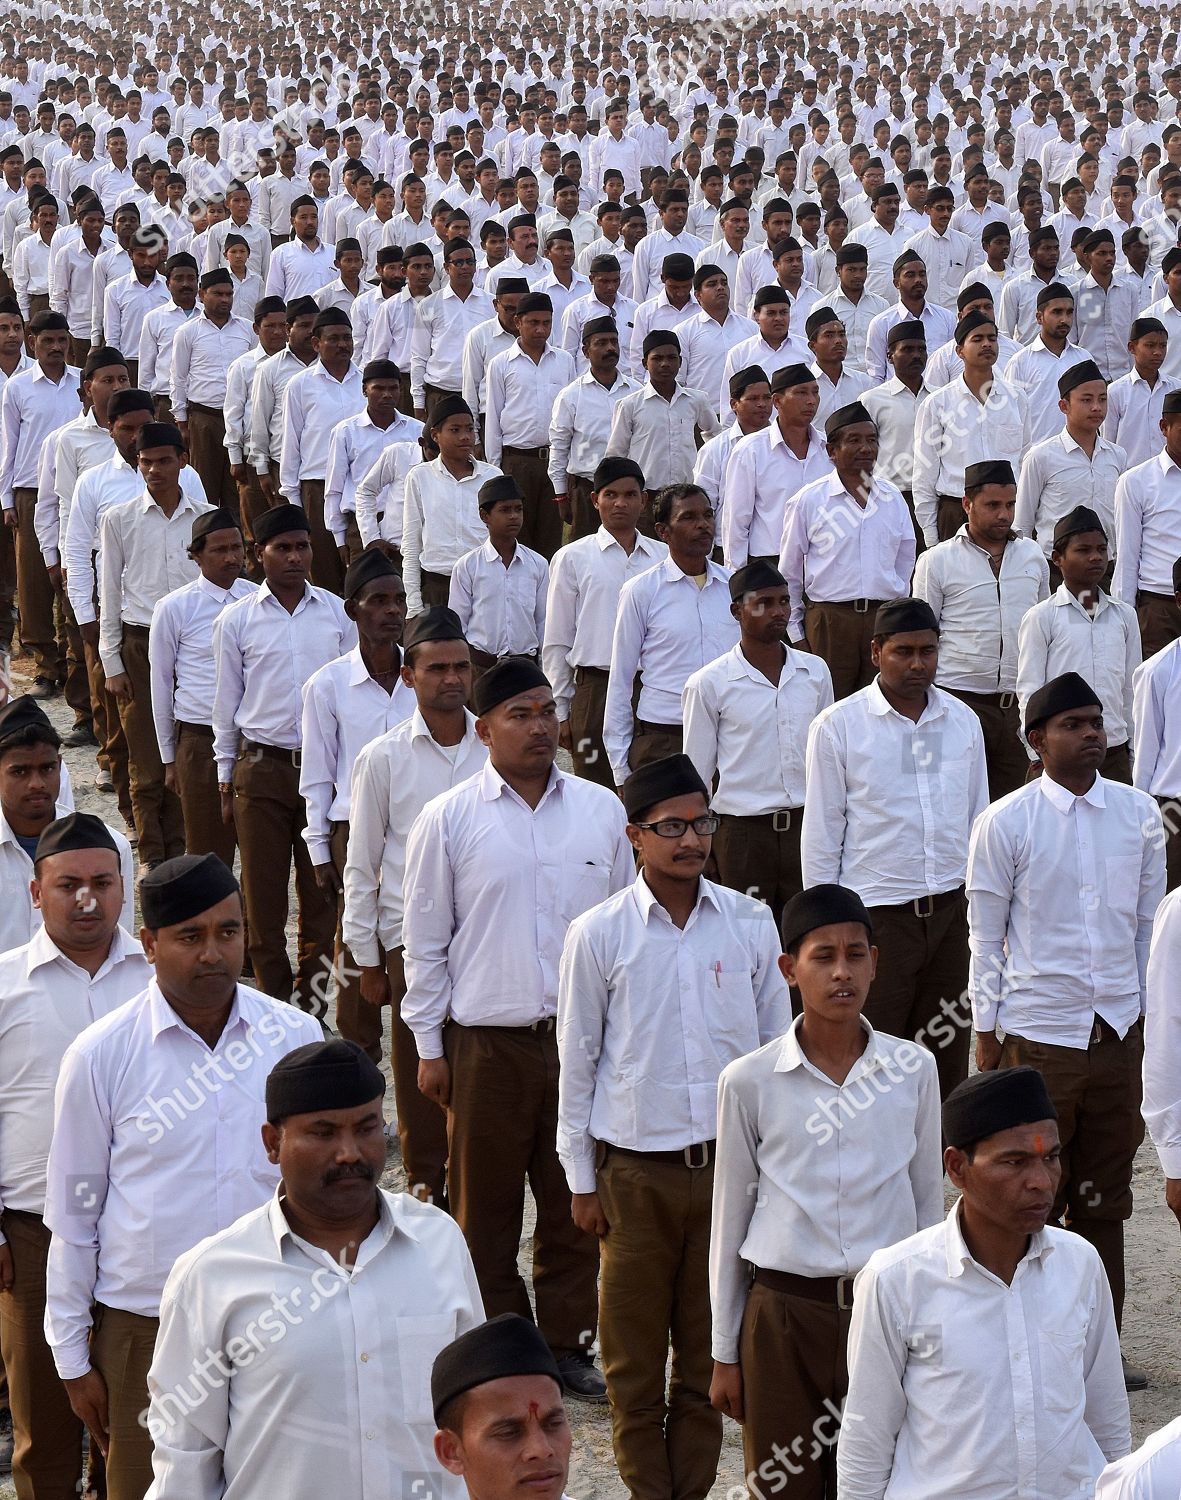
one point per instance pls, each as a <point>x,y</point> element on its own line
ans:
<point>534,1410</point>
<point>1038,1145</point>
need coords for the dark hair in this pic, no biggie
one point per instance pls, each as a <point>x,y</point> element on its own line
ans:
<point>31,734</point>
<point>666,499</point>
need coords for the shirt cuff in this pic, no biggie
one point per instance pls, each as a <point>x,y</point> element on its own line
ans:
<point>984,1015</point>
<point>581,1175</point>
<point>366,954</point>
<point>320,852</point>
<point>112,665</point>
<point>429,1043</point>
<point>84,614</point>
<point>1170,1160</point>
<point>73,1359</point>
<point>52,557</point>
<point>725,1350</point>
<point>234,453</point>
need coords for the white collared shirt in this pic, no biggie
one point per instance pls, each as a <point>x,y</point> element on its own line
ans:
<point>314,401</point>
<point>580,426</point>
<point>494,876</point>
<point>763,477</point>
<point>1147,527</point>
<point>501,606</point>
<point>33,406</point>
<point>630,980</point>
<point>1057,475</point>
<point>137,1172</point>
<point>300,270</point>
<point>486,340</point>
<point>46,1000</point>
<point>1036,370</point>
<point>160,327</point>
<point>705,345</point>
<point>871,1172</point>
<point>1162,1036</point>
<point>1101,322</point>
<point>1048,954</point>
<point>660,434</point>
<point>954,430</point>
<point>1031,1370</point>
<point>271,378</point>
<point>441,522</point>
<point>754,732</point>
<point>857,316</point>
<point>126,303</point>
<point>180,655</point>
<point>72,451</point>
<point>442,322</point>
<point>1102,645</point>
<point>380,494</point>
<point>355,445</point>
<point>394,778</point>
<point>938,324</point>
<point>1133,415</point>
<point>912,841</point>
<point>1156,737</point>
<point>520,397</point>
<point>1153,1472</point>
<point>894,408</point>
<point>202,354</point>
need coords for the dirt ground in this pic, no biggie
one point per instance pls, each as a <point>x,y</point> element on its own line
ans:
<point>1152,1330</point>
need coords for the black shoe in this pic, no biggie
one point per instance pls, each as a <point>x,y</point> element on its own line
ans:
<point>81,734</point>
<point>43,688</point>
<point>1134,1379</point>
<point>580,1379</point>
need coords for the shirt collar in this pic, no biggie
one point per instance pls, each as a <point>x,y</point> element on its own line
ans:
<point>737,666</point>
<point>391,1219</point>
<point>203,586</point>
<point>43,950</point>
<point>647,902</point>
<point>1064,599</point>
<point>187,503</point>
<point>1062,799</point>
<point>959,1257</point>
<point>1167,466</point>
<point>674,573</point>
<point>493,785</point>
<point>162,1017</point>
<point>420,731</point>
<point>644,543</point>
<point>791,1054</point>
<point>878,704</point>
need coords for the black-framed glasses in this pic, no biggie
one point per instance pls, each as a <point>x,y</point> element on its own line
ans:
<point>674,828</point>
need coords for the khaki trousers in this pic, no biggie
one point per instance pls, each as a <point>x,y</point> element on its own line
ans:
<point>79,350</point>
<point>159,820</point>
<point>586,726</point>
<point>7,587</point>
<point>654,1290</point>
<point>251,505</point>
<point>501,1131</point>
<point>1004,753</point>
<point>1096,1091</point>
<point>653,742</point>
<point>435,589</point>
<point>270,817</point>
<point>108,730</point>
<point>922,974</point>
<point>840,635</point>
<point>1160,621</point>
<point>47,1452</point>
<point>422,1125</point>
<point>584,516</point>
<point>208,455</point>
<point>200,801</point>
<point>543,522</point>
<point>34,590</point>
<point>121,1349</point>
<point>327,568</point>
<point>1117,764</point>
<point>794,1381</point>
<point>949,516</point>
<point>355,1020</point>
<point>72,653</point>
<point>754,856</point>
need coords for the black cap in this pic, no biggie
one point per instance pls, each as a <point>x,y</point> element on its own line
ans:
<point>505,679</point>
<point>1057,291</point>
<point>218,519</point>
<point>277,520</point>
<point>658,781</point>
<point>1075,522</point>
<point>970,323</point>
<point>988,1103</point>
<point>658,339</point>
<point>75,831</point>
<point>988,471</point>
<point>332,1074</point>
<point>898,616</point>
<point>499,487</point>
<point>1086,370</point>
<point>613,468</point>
<point>372,563</point>
<point>22,713</point>
<point>219,276</point>
<point>435,624</point>
<point>910,330</point>
<point>759,574</point>
<point>159,435</point>
<point>535,302</point>
<point>845,416</point>
<point>182,888</point>
<point>449,406</point>
<point>129,400</point>
<point>821,906</point>
<point>818,317</point>
<point>742,379</point>
<point>497,1350</point>
<point>791,375</point>
<point>1059,696</point>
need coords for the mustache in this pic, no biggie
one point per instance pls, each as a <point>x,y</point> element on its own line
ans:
<point>341,1174</point>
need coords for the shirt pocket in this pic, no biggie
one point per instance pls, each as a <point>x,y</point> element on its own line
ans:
<point>1060,1353</point>
<point>419,1340</point>
<point>582,886</point>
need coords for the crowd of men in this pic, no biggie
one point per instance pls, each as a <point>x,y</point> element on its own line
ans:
<point>775,416</point>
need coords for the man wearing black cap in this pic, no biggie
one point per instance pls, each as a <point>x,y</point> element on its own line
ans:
<point>1019,296</point>
<point>1081,628</point>
<point>270,326</point>
<point>729,705</point>
<point>775,342</point>
<point>1148,530</point>
<point>183,679</point>
<point>160,327</point>
<point>904,855</point>
<point>342,1293</point>
<point>346,704</point>
<point>489,338</point>
<point>1007,1313</point>
<point>839,383</point>
<point>266,646</point>
<point>884,239</point>
<point>1059,964</point>
<point>709,335</point>
<point>314,401</point>
<point>266,394</point>
<point>945,364</point>
<point>910,282</point>
<point>1076,466</point>
<point>502,1425</point>
<point>979,584</point>
<point>580,424</point>
<point>872,1166</point>
<point>748,396</point>
<point>393,779</point>
<point>145,551</point>
<point>1037,367</point>
<point>894,407</point>
<point>1135,402</point>
<point>505,862</point>
<point>1105,306</point>
<point>855,306</point>
<point>203,351</point>
<point>672,953</point>
<point>604,300</point>
<point>673,305</point>
<point>80,965</point>
<point>155,1146</point>
<point>442,322</point>
<point>668,238</point>
<point>498,589</point>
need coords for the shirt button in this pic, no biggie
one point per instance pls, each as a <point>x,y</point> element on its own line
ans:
<point>369,1437</point>
<point>364,1359</point>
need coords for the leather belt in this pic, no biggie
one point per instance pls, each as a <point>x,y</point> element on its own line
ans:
<point>208,411</point>
<point>272,752</point>
<point>924,906</point>
<point>584,674</point>
<point>130,629</point>
<point>780,819</point>
<point>204,730</point>
<point>544,1027</point>
<point>835,1290</point>
<point>858,606</point>
<point>699,1155</point>
<point>999,700</point>
<point>526,452</point>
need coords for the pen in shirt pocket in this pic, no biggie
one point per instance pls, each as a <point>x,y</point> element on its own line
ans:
<point>718,974</point>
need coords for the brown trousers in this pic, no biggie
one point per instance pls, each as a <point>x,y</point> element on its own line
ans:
<point>405,399</point>
<point>1096,1091</point>
<point>121,1349</point>
<point>270,817</point>
<point>949,516</point>
<point>754,856</point>
<point>251,505</point>
<point>1004,753</point>
<point>795,1378</point>
<point>164,411</point>
<point>654,1290</point>
<point>543,521</point>
<point>355,1020</point>
<point>501,1130</point>
<point>584,516</point>
<point>34,590</point>
<point>7,587</point>
<point>422,1125</point>
<point>200,801</point>
<point>653,742</point>
<point>79,350</point>
<point>108,730</point>
<point>922,974</point>
<point>327,568</point>
<point>1117,764</point>
<point>435,589</point>
<point>159,820</point>
<point>840,635</point>
<point>1171,813</point>
<point>72,653</point>
<point>208,455</point>
<point>586,726</point>
<point>47,1453</point>
<point>1160,621</point>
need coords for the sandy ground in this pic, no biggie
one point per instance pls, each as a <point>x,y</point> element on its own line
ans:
<point>1152,1330</point>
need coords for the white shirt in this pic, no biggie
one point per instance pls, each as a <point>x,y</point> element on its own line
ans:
<point>979,611</point>
<point>1061,895</point>
<point>180,655</point>
<point>834,549</point>
<point>1101,322</point>
<point>314,401</point>
<point>202,354</point>
<point>299,270</point>
<point>1036,370</point>
<point>871,1174</point>
<point>155,345</point>
<point>355,445</point>
<point>1057,475</point>
<point>1153,1472</point>
<point>239,380</point>
<point>857,316</point>
<point>494,876</point>
<point>580,426</point>
<point>501,606</point>
<point>46,1000</point>
<point>442,322</point>
<point>1102,645</point>
<point>894,408</point>
<point>72,451</point>
<point>948,258</point>
<point>938,324</point>
<point>892,836</point>
<point>485,340</point>
<point>1032,1372</point>
<point>660,434</point>
<point>666,628</point>
<point>162,1173</point>
<point>1133,415</point>
<point>953,430</point>
<point>126,303</point>
<point>393,779</point>
<point>1156,739</point>
<point>1147,527</point>
<point>705,344</point>
<point>520,398</point>
<point>264,655</point>
<point>271,378</point>
<point>340,1399</point>
<point>1162,1037</point>
<point>32,407</point>
<point>631,980</point>
<point>343,710</point>
<point>762,478</point>
<point>753,732</point>
<point>441,522</point>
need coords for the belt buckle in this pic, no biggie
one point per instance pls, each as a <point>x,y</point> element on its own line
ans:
<point>781,820</point>
<point>297,759</point>
<point>861,606</point>
<point>543,1027</point>
<point>845,1293</point>
<point>1096,1033</point>
<point>1007,700</point>
<point>697,1156</point>
<point>924,906</point>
